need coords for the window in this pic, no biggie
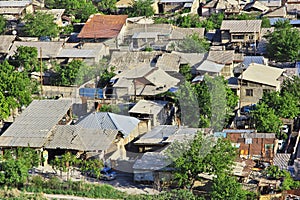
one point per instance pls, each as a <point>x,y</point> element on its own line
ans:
<point>238,37</point>
<point>251,37</point>
<point>249,92</point>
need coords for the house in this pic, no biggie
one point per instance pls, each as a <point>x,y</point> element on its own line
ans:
<point>280,12</point>
<point>46,50</point>
<point>252,145</point>
<point>240,33</point>
<point>35,124</point>
<point>14,10</point>
<point>154,165</point>
<point>90,53</point>
<point>211,68</point>
<point>99,28</point>
<point>126,60</point>
<point>153,112</point>
<point>228,7</point>
<point>256,6</point>
<point>141,82</point>
<point>272,4</point>
<point>253,82</point>
<point>6,42</point>
<point>83,141</point>
<point>127,127</point>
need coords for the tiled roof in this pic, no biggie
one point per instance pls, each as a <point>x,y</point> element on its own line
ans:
<point>190,58</point>
<point>241,26</point>
<point>76,137</point>
<point>33,126</point>
<point>110,121</point>
<point>279,12</point>
<point>103,26</point>
<point>222,57</point>
<point>256,5</point>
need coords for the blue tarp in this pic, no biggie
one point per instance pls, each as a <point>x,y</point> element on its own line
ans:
<point>220,134</point>
<point>173,89</point>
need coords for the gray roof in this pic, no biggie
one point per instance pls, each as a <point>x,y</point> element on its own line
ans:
<point>271,3</point>
<point>190,58</point>
<point>49,49</point>
<point>33,126</point>
<point>281,160</point>
<point>253,59</point>
<point>110,121</point>
<point>77,53</point>
<point>129,60</point>
<point>157,135</point>
<point>222,57</point>
<point>148,107</point>
<point>181,33</point>
<point>76,137</point>
<point>158,28</point>
<point>6,42</point>
<point>151,161</point>
<point>14,3</point>
<point>241,26</point>
<point>168,62</point>
<point>209,66</point>
<point>142,35</point>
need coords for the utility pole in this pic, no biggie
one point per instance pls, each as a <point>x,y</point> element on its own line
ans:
<point>41,72</point>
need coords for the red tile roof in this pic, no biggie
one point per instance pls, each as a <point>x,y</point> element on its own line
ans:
<point>103,26</point>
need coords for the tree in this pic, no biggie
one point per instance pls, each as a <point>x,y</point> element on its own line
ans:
<point>68,74</point>
<point>265,119</point>
<point>186,71</point>
<point>141,8</point>
<point>2,24</point>
<point>227,187</point>
<point>15,89</point>
<point>284,43</point>
<point>107,6</point>
<point>200,155</point>
<point>110,108</point>
<point>26,58</point>
<point>105,76</point>
<point>40,24</point>
<point>193,44</point>
<point>81,9</point>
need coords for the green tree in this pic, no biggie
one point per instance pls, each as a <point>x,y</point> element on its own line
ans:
<point>105,76</point>
<point>110,108</point>
<point>80,9</point>
<point>40,24</point>
<point>265,23</point>
<point>200,155</point>
<point>141,8</point>
<point>226,187</point>
<point>193,44</point>
<point>15,89</point>
<point>186,71</point>
<point>68,74</point>
<point>107,6</point>
<point>26,58</point>
<point>265,119</point>
<point>284,43</point>
<point>2,24</point>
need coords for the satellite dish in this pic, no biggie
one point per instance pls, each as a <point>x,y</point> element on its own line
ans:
<point>14,32</point>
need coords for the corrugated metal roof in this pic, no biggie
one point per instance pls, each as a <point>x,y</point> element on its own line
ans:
<point>76,137</point>
<point>33,126</point>
<point>223,57</point>
<point>157,28</point>
<point>151,161</point>
<point>257,73</point>
<point>253,59</point>
<point>241,26</point>
<point>258,135</point>
<point>168,62</point>
<point>6,42</point>
<point>181,33</point>
<point>14,3</point>
<point>77,53</point>
<point>11,11</point>
<point>110,121</point>
<point>209,66</point>
<point>279,12</point>
<point>49,49</point>
<point>281,160</point>
<point>148,107</point>
<point>103,26</point>
<point>143,35</point>
<point>157,134</point>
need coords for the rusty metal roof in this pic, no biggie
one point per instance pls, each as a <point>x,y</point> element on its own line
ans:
<point>103,26</point>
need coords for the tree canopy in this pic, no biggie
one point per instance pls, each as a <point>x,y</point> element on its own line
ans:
<point>26,58</point>
<point>80,9</point>
<point>284,43</point>
<point>40,24</point>
<point>193,44</point>
<point>107,6</point>
<point>141,8</point>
